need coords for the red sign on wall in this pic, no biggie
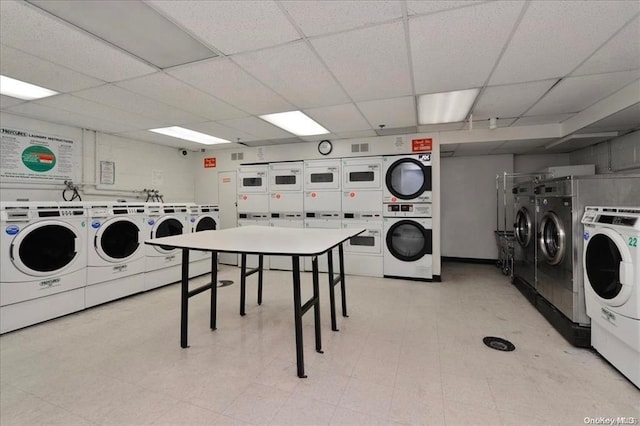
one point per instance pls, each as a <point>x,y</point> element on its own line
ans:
<point>421,145</point>
<point>209,162</point>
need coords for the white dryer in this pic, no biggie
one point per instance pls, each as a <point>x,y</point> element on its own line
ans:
<point>611,258</point>
<point>203,217</point>
<point>43,262</point>
<point>407,178</point>
<point>362,173</point>
<point>363,253</point>
<point>322,175</point>
<point>290,220</point>
<point>253,219</point>
<point>408,242</point>
<point>116,252</point>
<point>253,189</point>
<point>323,220</point>
<point>162,264</point>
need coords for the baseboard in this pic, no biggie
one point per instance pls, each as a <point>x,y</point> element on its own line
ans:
<point>469,260</point>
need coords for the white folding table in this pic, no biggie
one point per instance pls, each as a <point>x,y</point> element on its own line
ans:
<point>265,240</point>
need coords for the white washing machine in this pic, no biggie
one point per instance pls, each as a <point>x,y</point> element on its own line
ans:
<point>115,252</point>
<point>203,217</point>
<point>43,262</point>
<point>611,258</point>
<point>162,264</point>
<point>363,253</point>
<point>408,241</point>
<point>362,173</point>
<point>407,178</point>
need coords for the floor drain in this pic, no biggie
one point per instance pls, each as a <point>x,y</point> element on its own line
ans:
<point>498,344</point>
<point>224,283</point>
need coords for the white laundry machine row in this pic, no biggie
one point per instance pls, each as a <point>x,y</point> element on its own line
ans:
<point>115,251</point>
<point>162,264</point>
<point>363,253</point>
<point>253,202</point>
<point>611,257</point>
<point>43,262</point>
<point>407,178</point>
<point>408,241</point>
<point>203,217</point>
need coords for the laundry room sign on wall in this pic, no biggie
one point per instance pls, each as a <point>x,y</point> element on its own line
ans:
<point>421,145</point>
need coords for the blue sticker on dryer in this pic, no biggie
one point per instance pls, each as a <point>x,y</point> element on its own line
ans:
<point>586,235</point>
<point>12,230</point>
<point>95,224</point>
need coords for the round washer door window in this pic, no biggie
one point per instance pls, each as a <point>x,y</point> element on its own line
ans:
<point>524,227</point>
<point>117,239</point>
<point>409,241</point>
<point>206,223</point>
<point>408,178</point>
<point>167,227</point>
<point>602,263</point>
<point>44,248</point>
<point>552,238</point>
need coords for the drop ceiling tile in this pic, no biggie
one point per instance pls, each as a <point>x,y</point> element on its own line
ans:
<point>29,29</point>
<point>220,131</point>
<point>84,107</point>
<point>574,94</point>
<point>368,73</point>
<point>339,118</point>
<point>125,100</point>
<point>8,101</point>
<point>57,115</point>
<point>171,91</point>
<point>256,127</point>
<point>294,72</point>
<point>620,53</point>
<point>627,119</point>
<point>231,26</point>
<point>425,7</point>
<point>323,17</point>
<point>542,119</point>
<point>397,112</point>
<point>356,134</point>
<point>227,81</point>
<point>499,101</point>
<point>458,49</point>
<point>22,66</point>
<point>556,36</point>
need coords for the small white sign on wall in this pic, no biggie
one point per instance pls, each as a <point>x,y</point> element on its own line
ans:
<point>107,172</point>
<point>157,177</point>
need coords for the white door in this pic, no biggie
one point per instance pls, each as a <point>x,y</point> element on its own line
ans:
<point>228,210</point>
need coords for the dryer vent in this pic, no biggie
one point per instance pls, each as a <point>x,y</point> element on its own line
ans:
<point>360,147</point>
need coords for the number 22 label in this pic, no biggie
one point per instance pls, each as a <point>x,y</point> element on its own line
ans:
<point>633,242</point>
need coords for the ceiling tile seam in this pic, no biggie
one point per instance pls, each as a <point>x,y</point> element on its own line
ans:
<point>95,37</point>
<point>626,24</point>
<point>324,64</point>
<point>523,114</point>
<point>407,39</point>
<point>464,6</point>
<point>523,11</point>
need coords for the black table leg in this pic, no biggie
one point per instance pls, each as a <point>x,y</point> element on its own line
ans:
<point>214,288</point>
<point>243,281</point>
<point>260,263</point>
<point>184,307</point>
<point>316,307</point>
<point>342,285</point>
<point>332,295</point>
<point>297,315</point>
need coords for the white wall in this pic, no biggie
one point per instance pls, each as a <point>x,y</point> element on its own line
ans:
<point>618,155</point>
<point>536,163</point>
<point>138,165</point>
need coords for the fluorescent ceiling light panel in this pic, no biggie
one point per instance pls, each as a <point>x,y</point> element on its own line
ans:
<point>134,27</point>
<point>447,107</point>
<point>190,135</point>
<point>295,122</point>
<point>21,90</point>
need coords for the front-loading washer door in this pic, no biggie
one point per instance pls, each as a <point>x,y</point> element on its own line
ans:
<point>45,248</point>
<point>117,239</point>
<point>409,241</point>
<point>205,223</point>
<point>523,227</point>
<point>609,267</point>
<point>553,238</point>
<point>408,178</point>
<point>167,226</point>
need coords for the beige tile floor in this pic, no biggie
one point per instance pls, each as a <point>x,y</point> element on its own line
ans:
<point>410,353</point>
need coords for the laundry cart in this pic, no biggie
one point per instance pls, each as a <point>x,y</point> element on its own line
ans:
<point>505,240</point>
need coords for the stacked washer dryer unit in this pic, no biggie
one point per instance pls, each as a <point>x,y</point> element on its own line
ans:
<point>524,256</point>
<point>612,285</point>
<point>116,252</point>
<point>253,202</point>
<point>362,208</point>
<point>560,204</point>
<point>162,265</point>
<point>407,216</point>
<point>43,263</point>
<point>285,202</point>
<point>322,201</point>
<point>204,217</point>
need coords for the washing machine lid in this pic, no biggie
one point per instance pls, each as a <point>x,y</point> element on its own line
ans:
<point>608,265</point>
<point>117,239</point>
<point>523,227</point>
<point>407,178</point>
<point>408,240</point>
<point>45,248</point>
<point>552,239</point>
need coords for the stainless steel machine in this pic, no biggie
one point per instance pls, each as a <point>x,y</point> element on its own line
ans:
<point>560,204</point>
<point>524,253</point>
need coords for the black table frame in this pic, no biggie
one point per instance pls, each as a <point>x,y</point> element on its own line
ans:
<point>299,309</point>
